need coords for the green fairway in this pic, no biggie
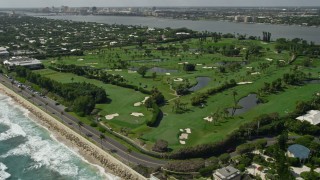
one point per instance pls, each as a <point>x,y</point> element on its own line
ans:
<point>266,67</point>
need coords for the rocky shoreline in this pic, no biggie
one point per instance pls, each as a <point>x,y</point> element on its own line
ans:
<point>90,151</point>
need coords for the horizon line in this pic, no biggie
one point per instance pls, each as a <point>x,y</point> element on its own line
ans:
<point>317,6</point>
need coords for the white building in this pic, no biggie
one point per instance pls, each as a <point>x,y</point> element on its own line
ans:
<point>227,173</point>
<point>23,61</point>
<point>313,117</point>
<point>3,52</point>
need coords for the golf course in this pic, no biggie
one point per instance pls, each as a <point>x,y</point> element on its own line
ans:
<point>183,71</point>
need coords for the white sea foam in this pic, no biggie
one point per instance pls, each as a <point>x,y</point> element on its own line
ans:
<point>44,152</point>
<point>14,131</point>
<point>102,171</point>
<point>3,173</point>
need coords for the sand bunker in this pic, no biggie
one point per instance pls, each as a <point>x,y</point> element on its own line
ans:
<point>80,59</point>
<point>118,70</point>
<point>168,74</point>
<point>207,67</point>
<point>111,116</point>
<point>140,103</point>
<point>255,73</point>
<point>184,136</point>
<point>145,98</point>
<point>249,67</point>
<point>209,119</point>
<point>269,59</point>
<point>137,104</point>
<point>188,130</point>
<point>136,114</point>
<point>241,83</point>
<point>178,80</point>
<point>129,71</point>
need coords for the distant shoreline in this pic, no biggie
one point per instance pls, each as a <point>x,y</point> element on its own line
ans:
<point>78,144</point>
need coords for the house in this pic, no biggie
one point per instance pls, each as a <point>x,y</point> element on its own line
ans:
<point>27,62</point>
<point>298,151</point>
<point>3,53</point>
<point>227,173</point>
<point>313,117</point>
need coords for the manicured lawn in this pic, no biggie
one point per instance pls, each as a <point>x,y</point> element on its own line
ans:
<point>122,99</point>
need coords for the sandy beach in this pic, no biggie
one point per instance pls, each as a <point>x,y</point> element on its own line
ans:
<point>89,151</point>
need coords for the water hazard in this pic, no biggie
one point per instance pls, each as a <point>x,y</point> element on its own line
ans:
<point>246,104</point>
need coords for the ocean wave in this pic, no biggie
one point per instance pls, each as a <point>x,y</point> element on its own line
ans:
<point>14,130</point>
<point>44,151</point>
<point>3,173</point>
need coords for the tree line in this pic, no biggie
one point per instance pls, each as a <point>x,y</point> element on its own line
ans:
<point>82,97</point>
<point>98,74</point>
<point>201,97</point>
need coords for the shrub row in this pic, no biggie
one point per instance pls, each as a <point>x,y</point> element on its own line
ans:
<point>201,98</point>
<point>155,115</point>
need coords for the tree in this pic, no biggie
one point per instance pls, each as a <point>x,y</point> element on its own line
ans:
<point>80,124</point>
<point>148,103</point>
<point>305,140</point>
<point>61,114</point>
<point>160,146</point>
<point>244,148</point>
<point>142,70</point>
<point>154,75</point>
<point>224,158</point>
<point>83,105</point>
<point>312,175</point>
<point>46,105</point>
<point>282,141</point>
<point>102,137</point>
<point>234,94</point>
<point>189,67</point>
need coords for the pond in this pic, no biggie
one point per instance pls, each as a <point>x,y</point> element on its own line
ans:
<point>313,81</point>
<point>246,104</point>
<point>202,82</point>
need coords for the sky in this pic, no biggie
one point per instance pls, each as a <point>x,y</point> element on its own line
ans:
<point>131,3</point>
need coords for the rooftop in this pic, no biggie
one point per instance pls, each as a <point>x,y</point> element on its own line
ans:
<point>299,151</point>
<point>227,172</point>
<point>313,117</point>
<point>3,49</point>
<point>22,61</point>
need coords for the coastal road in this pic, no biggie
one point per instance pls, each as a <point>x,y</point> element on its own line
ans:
<point>108,144</point>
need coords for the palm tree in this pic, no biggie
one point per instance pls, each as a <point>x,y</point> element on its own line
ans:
<point>128,152</point>
<point>32,96</point>
<point>234,93</point>
<point>46,104</point>
<point>61,114</point>
<point>225,112</point>
<point>80,124</point>
<point>102,137</point>
<point>21,89</point>
<point>12,82</point>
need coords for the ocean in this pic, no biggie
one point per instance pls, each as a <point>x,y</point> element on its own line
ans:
<point>29,152</point>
